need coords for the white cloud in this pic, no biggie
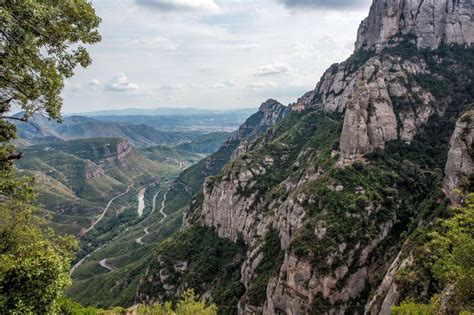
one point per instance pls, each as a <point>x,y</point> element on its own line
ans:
<point>261,85</point>
<point>325,4</point>
<point>225,84</point>
<point>181,5</point>
<point>120,82</point>
<point>156,41</point>
<point>183,57</point>
<point>93,84</point>
<point>276,68</point>
<point>172,87</point>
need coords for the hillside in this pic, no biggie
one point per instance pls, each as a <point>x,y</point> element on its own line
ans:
<point>77,178</point>
<point>327,211</point>
<point>131,259</point>
<point>41,130</point>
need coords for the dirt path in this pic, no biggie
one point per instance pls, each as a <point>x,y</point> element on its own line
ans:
<point>105,264</point>
<point>104,212</point>
<point>139,240</point>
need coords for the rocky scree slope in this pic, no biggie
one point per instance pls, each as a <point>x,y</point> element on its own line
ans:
<point>320,213</point>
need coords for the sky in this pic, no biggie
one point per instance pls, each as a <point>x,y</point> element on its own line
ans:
<point>216,54</point>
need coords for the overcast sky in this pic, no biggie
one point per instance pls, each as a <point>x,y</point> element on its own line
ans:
<point>218,54</point>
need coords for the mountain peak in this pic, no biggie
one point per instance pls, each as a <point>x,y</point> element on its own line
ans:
<point>428,23</point>
<point>270,104</point>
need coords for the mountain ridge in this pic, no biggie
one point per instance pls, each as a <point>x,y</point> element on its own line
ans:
<point>332,201</point>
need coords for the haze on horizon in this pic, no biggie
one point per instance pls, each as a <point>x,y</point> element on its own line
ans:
<point>213,54</point>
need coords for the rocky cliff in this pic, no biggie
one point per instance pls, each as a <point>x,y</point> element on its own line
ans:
<point>324,199</point>
<point>427,23</point>
<point>460,166</point>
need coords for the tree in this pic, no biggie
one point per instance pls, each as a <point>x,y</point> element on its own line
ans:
<point>187,305</point>
<point>452,248</point>
<point>451,254</point>
<point>40,45</point>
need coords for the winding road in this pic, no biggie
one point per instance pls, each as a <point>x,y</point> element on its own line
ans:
<point>140,239</point>
<point>104,212</point>
<point>80,262</point>
<point>163,208</point>
<point>141,206</point>
<point>104,263</point>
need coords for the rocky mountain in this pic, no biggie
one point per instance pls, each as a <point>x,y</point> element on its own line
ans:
<point>427,23</point>
<point>130,260</point>
<point>325,211</point>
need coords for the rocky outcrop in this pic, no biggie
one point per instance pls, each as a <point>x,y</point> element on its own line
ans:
<point>387,294</point>
<point>338,238</point>
<point>94,172</point>
<point>366,96</point>
<point>118,152</point>
<point>460,164</point>
<point>269,113</point>
<point>427,23</point>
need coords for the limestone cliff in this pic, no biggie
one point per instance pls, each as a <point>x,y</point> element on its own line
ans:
<point>325,198</point>
<point>460,165</point>
<point>427,23</point>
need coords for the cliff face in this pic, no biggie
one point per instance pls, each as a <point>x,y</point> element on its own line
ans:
<point>355,166</point>
<point>460,165</point>
<point>428,23</point>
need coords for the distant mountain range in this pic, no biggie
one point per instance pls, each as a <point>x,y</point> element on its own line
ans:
<point>167,111</point>
<point>42,130</point>
<point>187,120</point>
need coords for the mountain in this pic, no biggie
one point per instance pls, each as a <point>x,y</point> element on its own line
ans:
<point>41,130</point>
<point>202,121</point>
<point>77,178</point>
<point>131,259</point>
<point>165,111</point>
<point>328,210</point>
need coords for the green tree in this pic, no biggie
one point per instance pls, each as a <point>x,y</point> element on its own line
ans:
<point>452,248</point>
<point>451,251</point>
<point>41,43</point>
<point>187,305</point>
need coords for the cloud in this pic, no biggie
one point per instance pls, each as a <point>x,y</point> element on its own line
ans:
<point>261,85</point>
<point>171,87</point>
<point>276,68</point>
<point>157,41</point>
<point>225,84</point>
<point>180,5</point>
<point>93,84</point>
<point>120,82</point>
<point>325,4</point>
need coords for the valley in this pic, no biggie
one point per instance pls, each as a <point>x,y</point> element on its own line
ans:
<point>357,197</point>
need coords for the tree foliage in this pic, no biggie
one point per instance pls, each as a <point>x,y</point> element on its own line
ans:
<point>451,255</point>
<point>40,45</point>
<point>452,249</point>
<point>188,305</point>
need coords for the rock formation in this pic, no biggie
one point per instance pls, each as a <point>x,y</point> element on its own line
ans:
<point>460,164</point>
<point>428,23</point>
<point>340,213</point>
